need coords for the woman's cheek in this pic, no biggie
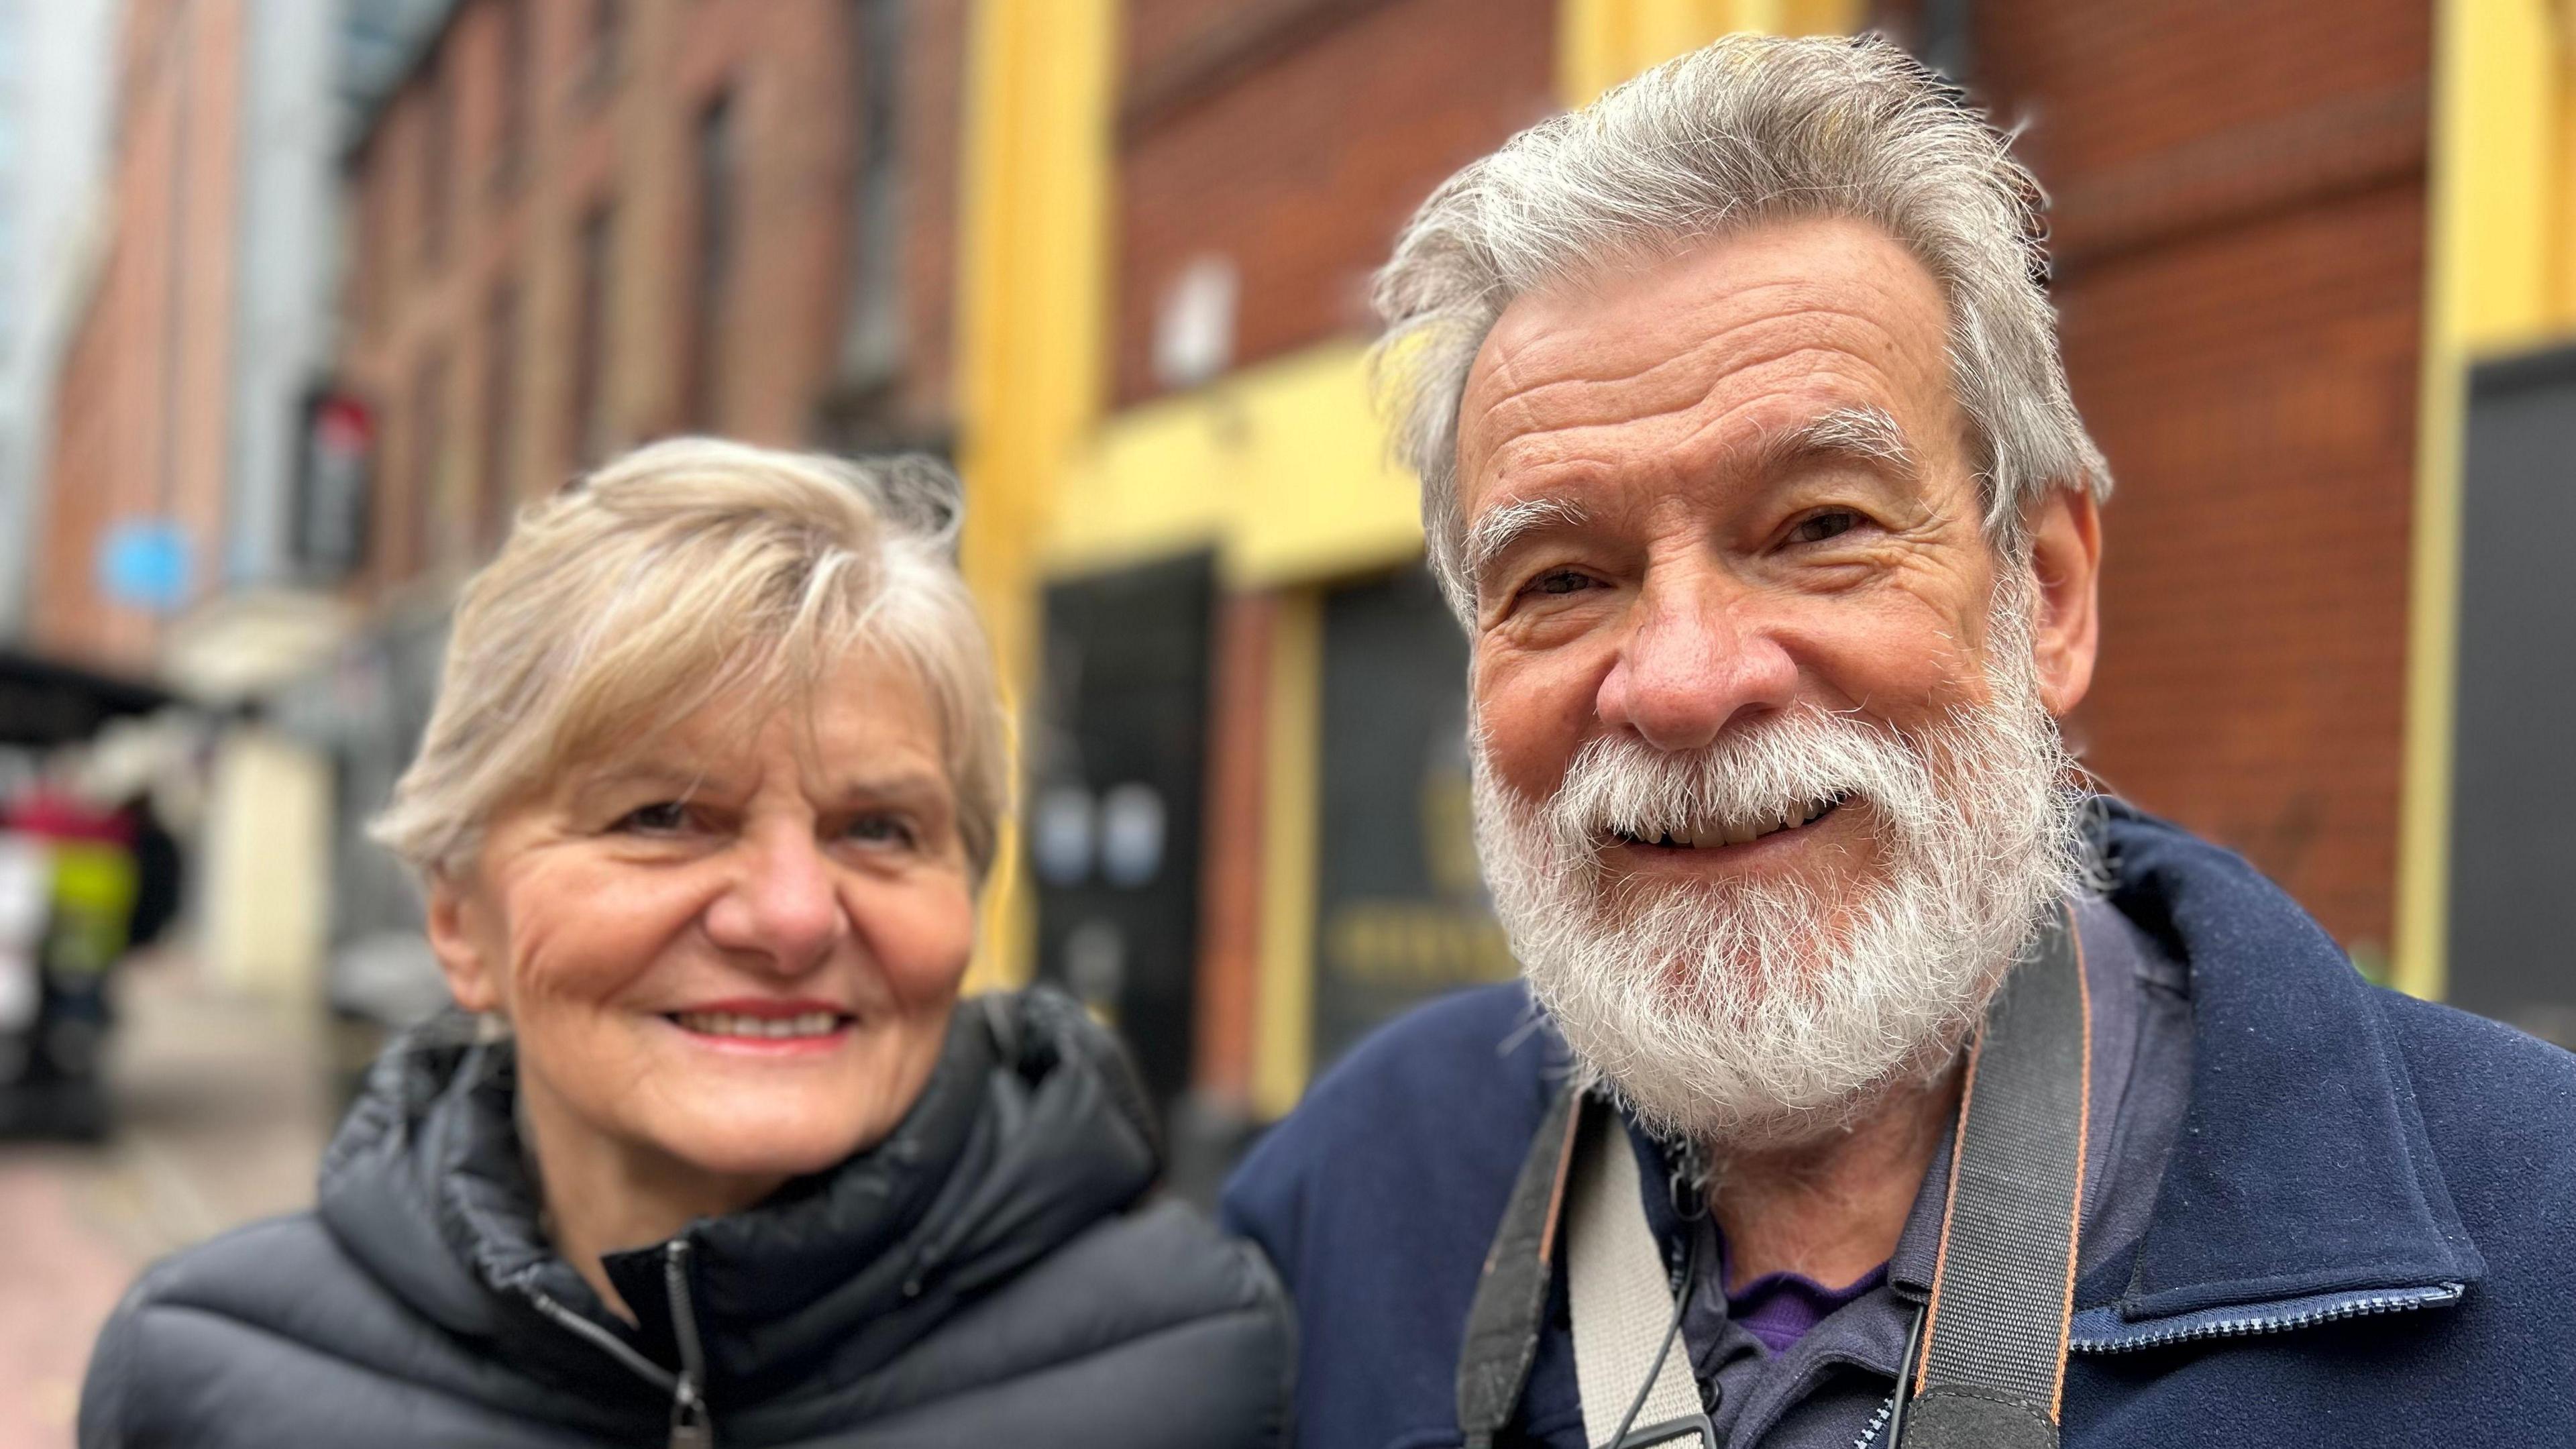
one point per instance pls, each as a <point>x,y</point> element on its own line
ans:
<point>580,936</point>
<point>927,937</point>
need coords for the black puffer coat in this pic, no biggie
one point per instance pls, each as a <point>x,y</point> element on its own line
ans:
<point>990,1275</point>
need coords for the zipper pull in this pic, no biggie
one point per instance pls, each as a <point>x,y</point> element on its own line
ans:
<point>692,1427</point>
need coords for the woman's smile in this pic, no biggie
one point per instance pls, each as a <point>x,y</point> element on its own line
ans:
<point>763,1027</point>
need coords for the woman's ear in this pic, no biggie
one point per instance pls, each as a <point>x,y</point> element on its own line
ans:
<point>460,933</point>
<point>2066,556</point>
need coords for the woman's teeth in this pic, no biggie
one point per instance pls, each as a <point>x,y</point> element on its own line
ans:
<point>726,1023</point>
<point>1744,832</point>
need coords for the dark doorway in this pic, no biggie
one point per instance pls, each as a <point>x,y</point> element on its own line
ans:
<point>1400,908</point>
<point>1114,801</point>
<point>2512,914</point>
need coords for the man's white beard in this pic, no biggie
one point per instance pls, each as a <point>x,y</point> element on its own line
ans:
<point>1748,1014</point>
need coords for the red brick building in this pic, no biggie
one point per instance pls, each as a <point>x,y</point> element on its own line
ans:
<point>140,422</point>
<point>2238,231</point>
<point>2246,214</point>
<point>581,226</point>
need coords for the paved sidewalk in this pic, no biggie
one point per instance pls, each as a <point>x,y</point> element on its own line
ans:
<point>221,1116</point>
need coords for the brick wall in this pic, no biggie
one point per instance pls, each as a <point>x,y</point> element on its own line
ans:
<point>1293,137</point>
<point>2238,224</point>
<point>623,141</point>
<point>139,417</point>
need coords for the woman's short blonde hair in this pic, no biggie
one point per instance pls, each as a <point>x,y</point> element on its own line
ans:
<point>685,572</point>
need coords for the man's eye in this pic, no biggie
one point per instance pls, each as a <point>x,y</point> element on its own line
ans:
<point>1824,526</point>
<point>1560,581</point>
<point>659,818</point>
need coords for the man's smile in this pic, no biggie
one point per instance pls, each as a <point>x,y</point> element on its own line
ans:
<point>1719,834</point>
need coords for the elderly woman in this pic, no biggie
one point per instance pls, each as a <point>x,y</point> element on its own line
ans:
<point>715,771</point>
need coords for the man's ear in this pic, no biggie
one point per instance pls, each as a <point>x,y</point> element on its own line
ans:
<point>2066,556</point>
<point>460,935</point>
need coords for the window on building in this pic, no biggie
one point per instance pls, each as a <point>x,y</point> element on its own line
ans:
<point>518,85</point>
<point>428,462</point>
<point>702,364</point>
<point>872,324</point>
<point>596,247</point>
<point>607,40</point>
<point>500,437</point>
<point>1942,33</point>
<point>371,279</point>
<point>437,158</point>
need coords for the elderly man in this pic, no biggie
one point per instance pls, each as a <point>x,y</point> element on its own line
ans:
<point>1870,1082</point>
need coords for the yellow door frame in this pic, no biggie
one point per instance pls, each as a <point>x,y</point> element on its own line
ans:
<point>2500,274</point>
<point>1033,288</point>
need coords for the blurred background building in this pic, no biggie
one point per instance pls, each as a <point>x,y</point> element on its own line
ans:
<point>300,299</point>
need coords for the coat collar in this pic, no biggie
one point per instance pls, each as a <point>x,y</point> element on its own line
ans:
<point>2302,1182</point>
<point>2301,1187</point>
<point>1030,1129</point>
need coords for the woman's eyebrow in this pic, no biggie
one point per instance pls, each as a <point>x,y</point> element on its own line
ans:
<point>680,780</point>
<point>901,784</point>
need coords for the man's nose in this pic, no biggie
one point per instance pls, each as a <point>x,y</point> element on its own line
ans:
<point>1698,657</point>
<point>782,908</point>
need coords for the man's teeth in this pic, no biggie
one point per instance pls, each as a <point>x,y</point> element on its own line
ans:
<point>726,1023</point>
<point>1744,832</point>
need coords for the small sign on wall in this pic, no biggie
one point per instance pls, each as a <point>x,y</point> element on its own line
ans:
<point>144,563</point>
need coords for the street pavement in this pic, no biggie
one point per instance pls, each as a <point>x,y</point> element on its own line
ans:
<point>222,1109</point>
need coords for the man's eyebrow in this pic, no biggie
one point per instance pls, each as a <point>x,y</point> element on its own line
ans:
<point>1500,527</point>
<point>1863,431</point>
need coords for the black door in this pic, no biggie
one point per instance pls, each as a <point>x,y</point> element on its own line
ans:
<point>1113,810</point>
<point>2513,858</point>
<point>1400,908</point>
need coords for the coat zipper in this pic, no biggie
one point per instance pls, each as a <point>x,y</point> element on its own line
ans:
<point>2253,1323</point>
<point>691,1426</point>
<point>1877,1422</point>
<point>607,1342</point>
<point>2241,1327</point>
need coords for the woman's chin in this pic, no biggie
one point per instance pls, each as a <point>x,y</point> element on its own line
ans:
<point>767,1144</point>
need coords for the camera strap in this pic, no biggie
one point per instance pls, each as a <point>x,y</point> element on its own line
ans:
<point>1987,1368</point>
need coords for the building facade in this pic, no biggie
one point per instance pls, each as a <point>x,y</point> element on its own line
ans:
<point>574,228</point>
<point>1112,255</point>
<point>581,227</point>
<point>2278,265</point>
<point>56,85</point>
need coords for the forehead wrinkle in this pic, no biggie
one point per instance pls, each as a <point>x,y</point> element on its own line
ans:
<point>1612,398</point>
<point>1826,412</point>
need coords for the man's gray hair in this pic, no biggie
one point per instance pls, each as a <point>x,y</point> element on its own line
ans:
<point>1747,130</point>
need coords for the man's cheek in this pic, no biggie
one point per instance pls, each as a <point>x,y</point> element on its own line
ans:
<point>1533,714</point>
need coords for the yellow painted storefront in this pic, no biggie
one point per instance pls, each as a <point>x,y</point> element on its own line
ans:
<point>1279,468</point>
<point>2501,277</point>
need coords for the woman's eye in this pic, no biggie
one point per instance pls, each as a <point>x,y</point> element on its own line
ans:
<point>659,818</point>
<point>1824,526</point>
<point>881,829</point>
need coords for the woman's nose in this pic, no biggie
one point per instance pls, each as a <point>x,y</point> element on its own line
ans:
<point>782,905</point>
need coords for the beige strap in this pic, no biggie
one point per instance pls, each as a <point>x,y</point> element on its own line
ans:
<point>1622,1299</point>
